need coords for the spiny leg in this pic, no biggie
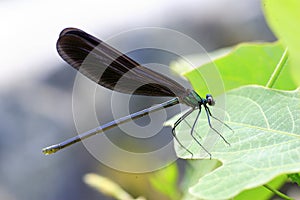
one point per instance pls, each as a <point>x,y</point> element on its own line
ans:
<point>191,128</point>
<point>192,131</point>
<point>218,119</point>
<point>208,119</point>
<point>176,124</point>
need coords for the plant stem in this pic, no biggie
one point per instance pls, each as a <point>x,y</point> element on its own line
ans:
<point>270,84</point>
<point>278,69</point>
<point>278,193</point>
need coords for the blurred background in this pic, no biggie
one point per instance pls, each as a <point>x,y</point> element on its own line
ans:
<point>36,84</point>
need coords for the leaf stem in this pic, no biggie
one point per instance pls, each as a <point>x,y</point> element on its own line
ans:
<point>278,193</point>
<point>278,69</point>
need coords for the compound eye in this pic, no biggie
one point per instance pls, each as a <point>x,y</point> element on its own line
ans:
<point>210,100</point>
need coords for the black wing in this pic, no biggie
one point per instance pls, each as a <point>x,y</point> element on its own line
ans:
<point>110,68</point>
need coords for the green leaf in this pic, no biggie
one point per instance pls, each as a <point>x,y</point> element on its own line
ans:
<point>265,142</point>
<point>194,170</point>
<point>248,63</point>
<point>165,181</point>
<point>262,192</point>
<point>283,18</point>
<point>295,178</point>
